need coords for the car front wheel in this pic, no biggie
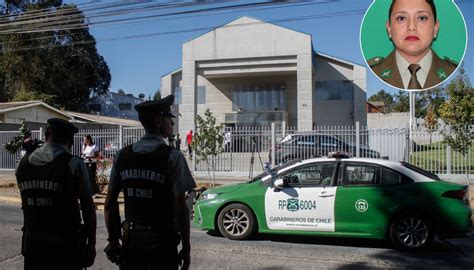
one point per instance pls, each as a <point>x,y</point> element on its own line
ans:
<point>236,222</point>
<point>411,232</point>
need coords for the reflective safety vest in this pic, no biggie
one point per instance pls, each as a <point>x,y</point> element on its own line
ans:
<point>49,196</point>
<point>147,188</point>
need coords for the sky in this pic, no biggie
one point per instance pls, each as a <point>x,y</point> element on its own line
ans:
<point>137,63</point>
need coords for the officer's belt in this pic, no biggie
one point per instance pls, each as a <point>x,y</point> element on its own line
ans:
<point>132,226</point>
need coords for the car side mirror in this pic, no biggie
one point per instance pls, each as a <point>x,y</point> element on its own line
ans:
<point>279,184</point>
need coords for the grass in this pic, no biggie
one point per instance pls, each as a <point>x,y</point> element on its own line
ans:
<point>433,158</point>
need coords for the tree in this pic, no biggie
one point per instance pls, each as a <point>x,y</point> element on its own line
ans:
<point>141,95</point>
<point>431,122</point>
<point>384,97</point>
<point>157,95</point>
<point>433,97</point>
<point>121,92</point>
<point>401,102</point>
<point>207,142</point>
<point>458,113</point>
<point>59,60</point>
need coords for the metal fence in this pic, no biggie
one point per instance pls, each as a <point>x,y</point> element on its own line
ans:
<point>248,149</point>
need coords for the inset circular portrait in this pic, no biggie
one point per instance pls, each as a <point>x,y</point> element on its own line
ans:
<point>413,44</point>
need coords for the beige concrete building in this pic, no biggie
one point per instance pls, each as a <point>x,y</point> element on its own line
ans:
<point>251,73</point>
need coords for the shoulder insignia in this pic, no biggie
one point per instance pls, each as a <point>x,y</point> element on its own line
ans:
<point>441,73</point>
<point>386,73</point>
<point>451,61</point>
<point>374,61</point>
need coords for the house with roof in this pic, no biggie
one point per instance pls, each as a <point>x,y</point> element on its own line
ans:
<point>114,105</point>
<point>87,118</point>
<point>252,73</point>
<point>30,111</point>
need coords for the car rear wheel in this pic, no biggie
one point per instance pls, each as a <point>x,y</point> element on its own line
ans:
<point>411,232</point>
<point>236,222</point>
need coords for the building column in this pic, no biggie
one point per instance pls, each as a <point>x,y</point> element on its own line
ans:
<point>188,108</point>
<point>304,91</point>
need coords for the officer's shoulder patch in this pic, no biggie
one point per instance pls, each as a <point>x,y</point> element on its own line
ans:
<point>374,61</point>
<point>441,73</point>
<point>386,74</point>
<point>451,61</point>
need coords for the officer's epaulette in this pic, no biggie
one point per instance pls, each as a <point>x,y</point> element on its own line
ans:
<point>374,61</point>
<point>451,61</point>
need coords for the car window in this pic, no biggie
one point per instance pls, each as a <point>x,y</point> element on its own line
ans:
<point>305,140</point>
<point>320,174</point>
<point>390,177</point>
<point>328,141</point>
<point>354,174</point>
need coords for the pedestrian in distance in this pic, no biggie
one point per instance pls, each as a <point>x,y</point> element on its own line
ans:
<point>55,193</point>
<point>90,153</point>
<point>227,141</point>
<point>154,178</point>
<point>178,142</point>
<point>189,141</point>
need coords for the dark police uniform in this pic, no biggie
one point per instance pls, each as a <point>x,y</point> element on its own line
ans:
<point>150,174</point>
<point>50,181</point>
<point>387,70</point>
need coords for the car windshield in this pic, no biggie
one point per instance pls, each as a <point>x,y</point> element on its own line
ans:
<point>275,170</point>
<point>420,171</point>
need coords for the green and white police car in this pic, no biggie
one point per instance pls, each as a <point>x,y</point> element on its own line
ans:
<point>340,197</point>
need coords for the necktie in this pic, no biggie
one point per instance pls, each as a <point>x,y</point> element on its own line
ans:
<point>414,84</point>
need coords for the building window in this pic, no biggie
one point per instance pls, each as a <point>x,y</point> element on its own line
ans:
<point>125,106</point>
<point>201,95</point>
<point>178,95</point>
<point>95,107</point>
<point>334,90</point>
<point>259,97</point>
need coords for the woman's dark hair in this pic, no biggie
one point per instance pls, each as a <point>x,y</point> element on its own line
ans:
<point>430,2</point>
<point>89,138</point>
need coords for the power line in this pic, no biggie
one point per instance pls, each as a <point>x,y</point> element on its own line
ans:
<point>72,14</point>
<point>189,16</point>
<point>81,25</point>
<point>291,19</point>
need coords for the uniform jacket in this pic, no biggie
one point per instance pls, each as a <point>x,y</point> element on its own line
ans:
<point>387,70</point>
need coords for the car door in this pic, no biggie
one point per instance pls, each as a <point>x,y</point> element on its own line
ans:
<point>365,202</point>
<point>306,202</point>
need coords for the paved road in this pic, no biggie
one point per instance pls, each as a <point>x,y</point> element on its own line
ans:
<point>269,252</point>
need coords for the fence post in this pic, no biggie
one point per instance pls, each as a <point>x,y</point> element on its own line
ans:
<point>283,129</point>
<point>120,137</point>
<point>273,144</point>
<point>40,137</point>
<point>357,139</point>
<point>448,154</point>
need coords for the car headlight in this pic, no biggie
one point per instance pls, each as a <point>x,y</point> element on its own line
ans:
<point>209,196</point>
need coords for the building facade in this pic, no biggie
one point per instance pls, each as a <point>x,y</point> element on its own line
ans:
<point>114,105</point>
<point>252,73</point>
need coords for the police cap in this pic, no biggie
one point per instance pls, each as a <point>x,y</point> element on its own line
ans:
<point>159,107</point>
<point>62,125</point>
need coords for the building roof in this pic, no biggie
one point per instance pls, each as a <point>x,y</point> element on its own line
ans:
<point>377,103</point>
<point>12,106</point>
<point>92,118</point>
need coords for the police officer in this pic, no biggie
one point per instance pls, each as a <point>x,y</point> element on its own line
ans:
<point>55,191</point>
<point>412,26</point>
<point>154,178</point>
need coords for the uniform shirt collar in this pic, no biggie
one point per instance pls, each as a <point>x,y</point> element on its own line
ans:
<point>152,136</point>
<point>421,75</point>
<point>47,153</point>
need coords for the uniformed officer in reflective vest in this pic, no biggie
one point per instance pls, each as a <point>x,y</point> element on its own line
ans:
<point>55,191</point>
<point>154,178</point>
